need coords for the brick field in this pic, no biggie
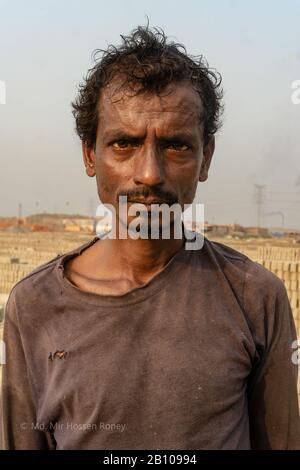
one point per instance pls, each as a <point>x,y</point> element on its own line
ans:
<point>20,253</point>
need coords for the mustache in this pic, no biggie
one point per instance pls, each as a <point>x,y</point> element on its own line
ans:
<point>163,197</point>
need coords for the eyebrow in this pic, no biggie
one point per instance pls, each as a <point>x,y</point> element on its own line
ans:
<point>181,138</point>
<point>121,135</point>
<point>132,137</point>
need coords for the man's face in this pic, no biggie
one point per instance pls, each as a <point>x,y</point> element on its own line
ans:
<point>149,148</point>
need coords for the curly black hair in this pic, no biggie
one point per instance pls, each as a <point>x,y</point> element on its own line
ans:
<point>146,58</point>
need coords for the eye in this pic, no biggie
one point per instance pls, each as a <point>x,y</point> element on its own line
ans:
<point>124,144</point>
<point>177,146</point>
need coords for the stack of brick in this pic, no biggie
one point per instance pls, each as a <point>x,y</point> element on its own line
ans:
<point>20,253</point>
<point>289,272</point>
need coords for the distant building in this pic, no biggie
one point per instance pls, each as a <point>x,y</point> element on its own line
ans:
<point>257,231</point>
<point>61,223</point>
<point>216,230</point>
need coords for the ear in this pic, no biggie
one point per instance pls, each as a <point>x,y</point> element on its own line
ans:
<point>208,152</point>
<point>89,159</point>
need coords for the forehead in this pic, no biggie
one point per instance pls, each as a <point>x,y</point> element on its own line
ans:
<point>178,106</point>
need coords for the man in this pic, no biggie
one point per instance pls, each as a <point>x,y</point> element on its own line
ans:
<point>139,343</point>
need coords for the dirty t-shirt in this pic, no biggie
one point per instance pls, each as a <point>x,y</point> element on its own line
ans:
<point>200,357</point>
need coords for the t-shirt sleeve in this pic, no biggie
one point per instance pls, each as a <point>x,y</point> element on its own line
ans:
<point>272,387</point>
<point>18,425</point>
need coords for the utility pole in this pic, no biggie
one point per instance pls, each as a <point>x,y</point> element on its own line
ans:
<point>259,198</point>
<point>19,213</point>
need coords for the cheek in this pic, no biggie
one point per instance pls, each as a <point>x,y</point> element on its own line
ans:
<point>189,192</point>
<point>187,180</point>
<point>107,182</point>
<point>111,179</point>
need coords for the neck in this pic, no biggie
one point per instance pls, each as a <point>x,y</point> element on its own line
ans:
<point>144,255</point>
<point>140,259</point>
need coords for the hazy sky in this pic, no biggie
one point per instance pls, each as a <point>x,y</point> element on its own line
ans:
<point>45,50</point>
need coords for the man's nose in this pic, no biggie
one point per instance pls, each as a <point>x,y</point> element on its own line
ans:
<point>148,167</point>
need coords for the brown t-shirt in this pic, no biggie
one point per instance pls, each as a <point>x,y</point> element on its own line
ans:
<point>200,357</point>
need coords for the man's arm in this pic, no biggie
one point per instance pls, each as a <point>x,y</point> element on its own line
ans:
<point>272,391</point>
<point>17,403</point>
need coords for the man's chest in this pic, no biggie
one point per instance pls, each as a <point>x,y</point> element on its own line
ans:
<point>165,366</point>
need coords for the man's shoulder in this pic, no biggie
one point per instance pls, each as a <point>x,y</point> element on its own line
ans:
<point>256,276</point>
<point>225,250</point>
<point>261,293</point>
<point>41,279</point>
